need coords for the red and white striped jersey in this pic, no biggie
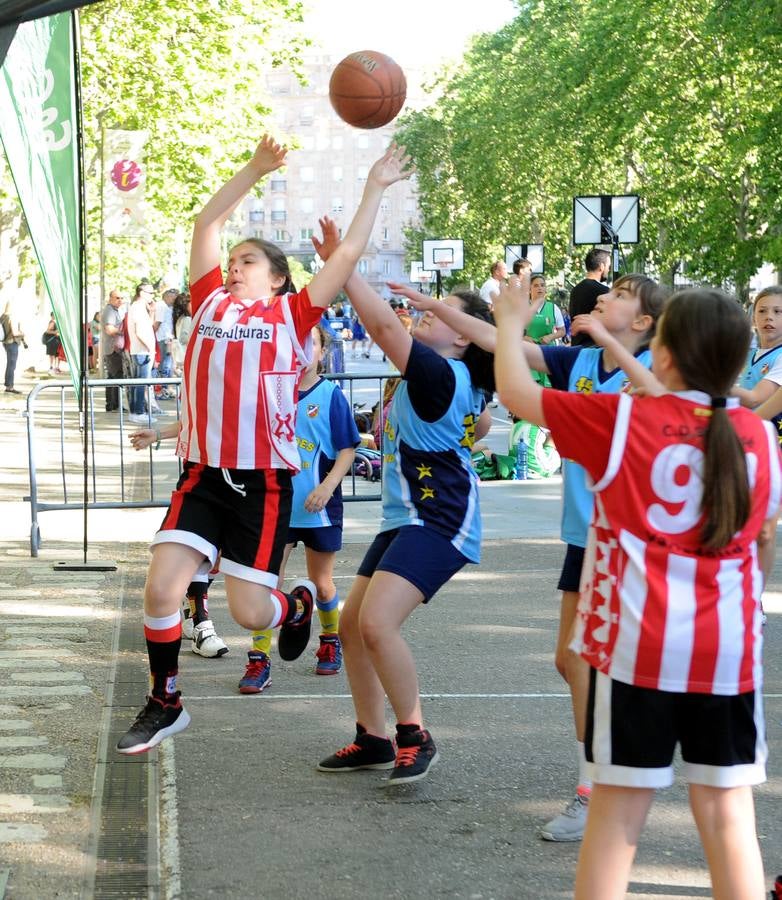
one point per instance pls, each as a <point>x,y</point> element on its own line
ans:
<point>657,609</point>
<point>241,372</point>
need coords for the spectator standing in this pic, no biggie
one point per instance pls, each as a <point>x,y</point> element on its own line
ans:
<point>491,287</point>
<point>12,335</point>
<point>51,338</point>
<point>164,334</point>
<point>113,345</point>
<point>182,317</point>
<point>583,297</point>
<point>142,347</point>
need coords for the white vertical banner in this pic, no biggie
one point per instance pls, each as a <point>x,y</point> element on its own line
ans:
<point>124,180</point>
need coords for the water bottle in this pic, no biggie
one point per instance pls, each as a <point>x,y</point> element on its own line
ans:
<point>520,472</point>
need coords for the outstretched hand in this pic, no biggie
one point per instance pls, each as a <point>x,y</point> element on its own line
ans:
<point>393,165</point>
<point>512,302</point>
<point>269,155</point>
<point>324,248</point>
<point>144,438</point>
<point>418,301</point>
<point>587,323</point>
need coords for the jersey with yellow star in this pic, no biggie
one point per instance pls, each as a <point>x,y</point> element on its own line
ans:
<point>428,479</point>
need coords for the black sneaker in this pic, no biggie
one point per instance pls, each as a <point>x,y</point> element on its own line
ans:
<point>367,752</point>
<point>294,636</point>
<point>158,720</point>
<point>415,753</point>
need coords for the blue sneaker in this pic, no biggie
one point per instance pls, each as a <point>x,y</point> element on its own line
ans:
<point>257,675</point>
<point>329,655</point>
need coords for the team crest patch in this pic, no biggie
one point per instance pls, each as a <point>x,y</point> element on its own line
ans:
<point>764,368</point>
<point>312,410</point>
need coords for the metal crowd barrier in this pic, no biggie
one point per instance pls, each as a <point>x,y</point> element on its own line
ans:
<point>118,476</point>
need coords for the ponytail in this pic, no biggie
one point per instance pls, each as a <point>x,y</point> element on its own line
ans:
<point>726,499</point>
<point>707,334</point>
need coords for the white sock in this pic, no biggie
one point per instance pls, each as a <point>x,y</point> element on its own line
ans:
<point>278,613</point>
<point>584,781</point>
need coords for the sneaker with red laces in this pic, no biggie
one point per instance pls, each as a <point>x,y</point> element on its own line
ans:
<point>368,751</point>
<point>159,719</point>
<point>415,754</point>
<point>295,635</point>
<point>329,655</point>
<point>258,674</point>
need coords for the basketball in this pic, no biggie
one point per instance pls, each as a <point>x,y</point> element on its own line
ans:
<point>367,89</point>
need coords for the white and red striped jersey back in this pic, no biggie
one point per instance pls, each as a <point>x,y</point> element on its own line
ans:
<point>657,609</point>
<point>241,371</point>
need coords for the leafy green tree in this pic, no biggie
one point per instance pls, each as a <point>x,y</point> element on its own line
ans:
<point>193,75</point>
<point>680,103</point>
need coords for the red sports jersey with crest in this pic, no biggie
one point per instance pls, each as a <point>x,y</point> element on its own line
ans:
<point>657,610</point>
<point>243,363</point>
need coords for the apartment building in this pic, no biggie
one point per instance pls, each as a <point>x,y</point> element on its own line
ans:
<point>326,173</point>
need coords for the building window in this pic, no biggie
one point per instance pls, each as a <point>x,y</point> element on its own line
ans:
<point>257,233</point>
<point>410,205</point>
<point>337,142</point>
<point>363,266</point>
<point>385,234</point>
<point>280,235</point>
<point>305,234</point>
<point>362,173</point>
<point>386,266</point>
<point>307,115</point>
<point>384,205</point>
<point>336,204</point>
<point>306,173</point>
<point>336,173</point>
<point>306,204</point>
<point>279,85</point>
<point>279,215</point>
<point>279,185</point>
<point>257,217</point>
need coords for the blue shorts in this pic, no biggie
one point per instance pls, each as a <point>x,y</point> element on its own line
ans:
<point>570,577</point>
<point>324,539</point>
<point>419,555</point>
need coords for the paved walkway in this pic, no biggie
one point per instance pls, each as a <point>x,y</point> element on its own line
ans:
<point>233,807</point>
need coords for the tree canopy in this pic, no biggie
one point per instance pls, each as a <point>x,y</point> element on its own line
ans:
<point>192,74</point>
<point>680,103</point>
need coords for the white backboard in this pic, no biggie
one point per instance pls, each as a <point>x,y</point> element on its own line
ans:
<point>595,218</point>
<point>418,274</point>
<point>535,253</point>
<point>443,254</point>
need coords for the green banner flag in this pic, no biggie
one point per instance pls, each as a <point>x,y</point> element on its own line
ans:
<point>38,133</point>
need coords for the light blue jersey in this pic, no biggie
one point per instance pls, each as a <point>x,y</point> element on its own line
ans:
<point>428,478</point>
<point>583,369</point>
<point>324,426</point>
<point>755,370</point>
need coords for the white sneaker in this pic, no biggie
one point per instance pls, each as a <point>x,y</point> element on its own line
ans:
<point>568,825</point>
<point>187,623</point>
<point>141,419</point>
<point>205,641</point>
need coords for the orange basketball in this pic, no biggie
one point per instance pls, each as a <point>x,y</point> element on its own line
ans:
<point>367,89</point>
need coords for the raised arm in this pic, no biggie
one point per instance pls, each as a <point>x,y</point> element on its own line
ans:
<point>478,332</point>
<point>516,387</point>
<point>205,247</point>
<point>380,321</point>
<point>393,166</point>
<point>640,377</point>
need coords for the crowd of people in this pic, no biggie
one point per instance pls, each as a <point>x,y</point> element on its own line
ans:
<point>141,339</point>
<point>672,487</point>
